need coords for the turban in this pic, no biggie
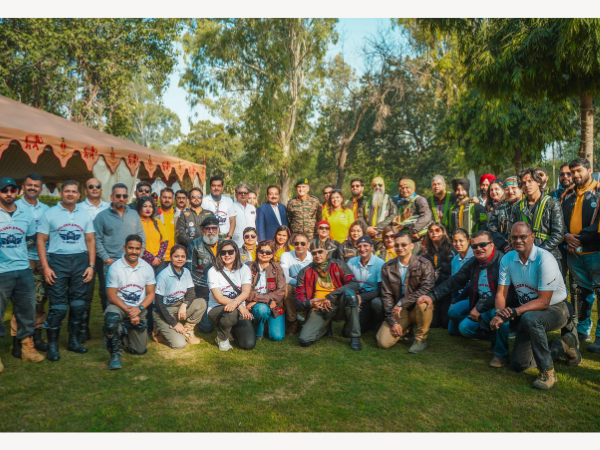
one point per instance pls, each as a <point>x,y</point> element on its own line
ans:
<point>464,182</point>
<point>487,176</point>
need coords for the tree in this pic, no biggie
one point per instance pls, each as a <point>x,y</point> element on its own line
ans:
<point>268,70</point>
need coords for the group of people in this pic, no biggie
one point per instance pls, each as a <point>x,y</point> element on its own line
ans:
<point>490,267</point>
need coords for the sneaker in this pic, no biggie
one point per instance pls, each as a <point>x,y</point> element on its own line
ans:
<point>545,380</point>
<point>299,318</point>
<point>595,347</point>
<point>259,338</point>
<point>417,346</point>
<point>584,337</point>
<point>498,361</point>
<point>572,354</point>
<point>512,334</point>
<point>224,346</point>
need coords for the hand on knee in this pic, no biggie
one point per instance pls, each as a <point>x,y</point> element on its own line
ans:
<point>261,311</point>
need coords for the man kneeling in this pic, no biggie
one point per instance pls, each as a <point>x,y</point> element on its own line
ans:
<point>403,280</point>
<point>130,290</point>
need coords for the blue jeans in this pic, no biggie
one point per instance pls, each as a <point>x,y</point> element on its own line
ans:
<point>586,273</point>
<point>457,313</point>
<point>262,313</point>
<point>205,325</point>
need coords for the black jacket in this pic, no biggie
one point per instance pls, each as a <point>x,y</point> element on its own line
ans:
<point>498,222</point>
<point>331,246</point>
<point>588,236</point>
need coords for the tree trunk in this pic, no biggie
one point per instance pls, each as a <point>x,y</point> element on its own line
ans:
<point>518,160</point>
<point>586,147</point>
<point>285,186</point>
<point>341,165</point>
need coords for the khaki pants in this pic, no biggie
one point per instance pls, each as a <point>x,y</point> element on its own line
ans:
<point>289,303</point>
<point>317,323</point>
<point>417,315</point>
<point>135,340</point>
<point>195,311</point>
<point>40,297</point>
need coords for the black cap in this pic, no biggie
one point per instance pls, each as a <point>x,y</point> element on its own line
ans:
<point>364,240</point>
<point>6,182</point>
<point>210,220</point>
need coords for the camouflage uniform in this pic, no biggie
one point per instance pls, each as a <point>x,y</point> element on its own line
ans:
<point>303,216</point>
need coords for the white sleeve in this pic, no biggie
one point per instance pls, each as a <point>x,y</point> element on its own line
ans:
<point>504,276</point>
<point>232,210</point>
<point>32,229</point>
<point>149,275</point>
<point>246,275</point>
<point>112,277</point>
<point>189,283</point>
<point>548,274</point>
<point>214,279</point>
<point>89,224</point>
<point>285,265</point>
<point>161,285</point>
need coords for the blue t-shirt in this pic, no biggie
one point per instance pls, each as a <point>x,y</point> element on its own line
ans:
<point>171,287</point>
<point>66,229</point>
<point>13,243</point>
<point>367,276</point>
<point>37,212</point>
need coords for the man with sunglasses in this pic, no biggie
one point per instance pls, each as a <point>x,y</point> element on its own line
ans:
<point>189,223</point>
<point>292,263</point>
<point>244,212</point>
<point>17,234</point>
<point>541,307</point>
<point>358,200</point>
<point>326,194</point>
<point>322,240</point>
<point>565,181</point>
<point>379,211</point>
<point>112,226</point>
<point>142,189</point>
<point>304,211</point>
<point>471,317</point>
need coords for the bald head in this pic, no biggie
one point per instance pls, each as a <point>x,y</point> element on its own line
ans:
<point>93,189</point>
<point>522,237</point>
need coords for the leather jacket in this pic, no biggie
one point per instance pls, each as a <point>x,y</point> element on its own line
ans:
<point>590,215</point>
<point>347,250</point>
<point>276,286</point>
<point>331,246</point>
<point>200,259</point>
<point>498,225</point>
<point>188,225</point>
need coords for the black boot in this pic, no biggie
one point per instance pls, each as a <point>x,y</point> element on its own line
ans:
<point>112,345</point>
<point>16,350</point>
<point>38,342</point>
<point>355,344</point>
<point>84,330</point>
<point>53,334</point>
<point>74,345</point>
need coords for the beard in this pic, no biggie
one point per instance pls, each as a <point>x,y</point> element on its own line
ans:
<point>377,199</point>
<point>582,182</point>
<point>210,239</point>
<point>566,183</point>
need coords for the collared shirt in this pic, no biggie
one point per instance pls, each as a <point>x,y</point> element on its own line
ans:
<point>37,212</point>
<point>539,273</point>
<point>367,276</point>
<point>292,265</point>
<point>171,287</point>
<point>130,281</point>
<point>276,212</point>
<point>244,217</point>
<point>66,229</point>
<point>94,210</point>
<point>458,261</point>
<point>217,280</point>
<point>403,269</point>
<point>13,238</point>
<point>223,210</point>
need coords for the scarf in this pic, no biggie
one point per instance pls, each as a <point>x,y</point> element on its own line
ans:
<point>582,190</point>
<point>177,274</point>
<point>483,263</point>
<point>324,278</point>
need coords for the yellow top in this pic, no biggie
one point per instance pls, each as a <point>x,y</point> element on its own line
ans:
<point>281,251</point>
<point>170,227</point>
<point>321,292</point>
<point>460,216</point>
<point>390,253</point>
<point>152,235</point>
<point>339,221</point>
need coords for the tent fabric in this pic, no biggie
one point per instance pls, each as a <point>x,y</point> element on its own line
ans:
<point>36,130</point>
<point>108,178</point>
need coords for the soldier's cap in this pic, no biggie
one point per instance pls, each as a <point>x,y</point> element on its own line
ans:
<point>6,182</point>
<point>364,240</point>
<point>302,181</point>
<point>210,220</point>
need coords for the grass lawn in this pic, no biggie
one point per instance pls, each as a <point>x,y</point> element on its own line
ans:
<point>280,386</point>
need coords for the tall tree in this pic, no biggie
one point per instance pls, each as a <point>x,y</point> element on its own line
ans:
<point>269,70</point>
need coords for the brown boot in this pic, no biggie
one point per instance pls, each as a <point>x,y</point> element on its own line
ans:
<point>292,329</point>
<point>189,335</point>
<point>545,380</point>
<point>498,361</point>
<point>28,351</point>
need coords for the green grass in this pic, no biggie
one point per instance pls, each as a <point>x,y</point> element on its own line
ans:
<point>283,387</point>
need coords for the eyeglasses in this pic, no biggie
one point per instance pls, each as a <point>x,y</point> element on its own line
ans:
<point>7,190</point>
<point>389,237</point>
<point>324,228</point>
<point>522,238</point>
<point>242,193</point>
<point>145,191</point>
<point>355,186</point>
<point>119,196</point>
<point>300,244</point>
<point>227,252</point>
<point>480,245</point>
<point>264,252</point>
<point>249,236</point>
<point>94,186</point>
<point>211,228</point>
<point>196,196</point>
<point>403,245</point>
<point>565,174</point>
<point>377,185</point>
<point>317,252</point>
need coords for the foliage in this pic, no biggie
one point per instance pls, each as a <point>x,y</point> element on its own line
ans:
<point>47,200</point>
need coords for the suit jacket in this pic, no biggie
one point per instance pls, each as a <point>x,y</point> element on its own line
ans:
<point>266,221</point>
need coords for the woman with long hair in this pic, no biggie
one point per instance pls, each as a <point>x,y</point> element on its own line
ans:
<point>495,196</point>
<point>386,249</point>
<point>347,249</point>
<point>339,217</point>
<point>268,289</point>
<point>230,283</point>
<point>282,238</point>
<point>247,252</point>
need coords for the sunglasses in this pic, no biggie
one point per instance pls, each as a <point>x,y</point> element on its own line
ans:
<point>7,190</point>
<point>480,245</point>
<point>377,185</point>
<point>122,196</point>
<point>242,193</point>
<point>389,237</point>
<point>211,228</point>
<point>317,252</point>
<point>324,228</point>
<point>520,238</point>
<point>265,252</point>
<point>300,244</point>
<point>94,186</point>
<point>249,236</point>
<point>565,174</point>
<point>227,252</point>
<point>403,245</point>
<point>197,196</point>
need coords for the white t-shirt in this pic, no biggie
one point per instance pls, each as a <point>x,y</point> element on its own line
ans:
<point>261,286</point>
<point>94,210</point>
<point>130,281</point>
<point>66,229</point>
<point>216,280</point>
<point>223,211</point>
<point>483,285</point>
<point>171,287</point>
<point>292,265</point>
<point>539,273</point>
<point>244,218</point>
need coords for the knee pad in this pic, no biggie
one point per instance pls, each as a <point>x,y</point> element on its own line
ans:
<point>111,324</point>
<point>135,352</point>
<point>350,298</point>
<point>55,317</point>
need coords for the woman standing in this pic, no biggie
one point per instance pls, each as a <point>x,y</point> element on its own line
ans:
<point>229,282</point>
<point>386,250</point>
<point>347,249</point>
<point>268,289</point>
<point>247,252</point>
<point>282,238</point>
<point>339,217</point>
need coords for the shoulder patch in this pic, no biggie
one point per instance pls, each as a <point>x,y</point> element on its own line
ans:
<point>186,213</point>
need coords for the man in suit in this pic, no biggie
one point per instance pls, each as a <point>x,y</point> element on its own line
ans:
<point>270,215</point>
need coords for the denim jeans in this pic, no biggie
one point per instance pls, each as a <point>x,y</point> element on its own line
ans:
<point>586,273</point>
<point>457,313</point>
<point>262,313</point>
<point>18,287</point>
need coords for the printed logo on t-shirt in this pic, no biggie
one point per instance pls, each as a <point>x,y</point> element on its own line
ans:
<point>525,293</point>
<point>70,233</point>
<point>11,237</point>
<point>173,298</point>
<point>131,294</point>
<point>229,292</point>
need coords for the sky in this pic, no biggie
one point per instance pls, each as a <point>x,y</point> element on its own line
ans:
<point>353,34</point>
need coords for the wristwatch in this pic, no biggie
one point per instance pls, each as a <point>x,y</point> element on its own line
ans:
<point>92,266</point>
<point>141,307</point>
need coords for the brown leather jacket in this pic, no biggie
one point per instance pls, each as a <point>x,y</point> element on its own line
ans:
<point>419,280</point>
<point>276,286</point>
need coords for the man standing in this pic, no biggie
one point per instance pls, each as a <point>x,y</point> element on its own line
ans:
<point>441,201</point>
<point>112,226</point>
<point>32,188</point>
<point>484,185</point>
<point>270,215</point>
<point>130,286</point>
<point>414,215</point>
<point>17,233</point>
<point>142,189</point>
<point>326,193</point>
<point>541,295</point>
<point>220,206</point>
<point>304,211</point>
<point>68,266</point>
<point>292,263</point>
<point>181,203</point>
<point>540,211</point>
<point>399,294</point>
<point>466,214</point>
<point>357,202</point>
<point>498,223</point>
<point>564,182</point>
<point>543,173</point>
<point>94,205</point>
<point>168,217</point>
<point>581,215</point>
<point>380,210</point>
<point>190,221</point>
<point>244,212</point>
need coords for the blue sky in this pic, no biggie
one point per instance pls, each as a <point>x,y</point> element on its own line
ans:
<point>353,33</point>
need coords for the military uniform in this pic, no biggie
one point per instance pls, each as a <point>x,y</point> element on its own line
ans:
<point>189,225</point>
<point>302,216</point>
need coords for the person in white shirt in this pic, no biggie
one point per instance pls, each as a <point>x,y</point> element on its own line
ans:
<point>244,213</point>
<point>292,263</point>
<point>542,307</point>
<point>230,283</point>
<point>220,206</point>
<point>130,286</point>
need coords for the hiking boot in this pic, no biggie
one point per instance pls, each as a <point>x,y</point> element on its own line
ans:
<point>545,380</point>
<point>16,350</point>
<point>417,346</point>
<point>355,343</point>
<point>28,351</point>
<point>329,331</point>
<point>595,347</point>
<point>224,346</point>
<point>189,335</point>
<point>115,362</point>
<point>292,329</point>
<point>498,361</point>
<point>38,342</point>
<point>584,337</point>
<point>572,354</point>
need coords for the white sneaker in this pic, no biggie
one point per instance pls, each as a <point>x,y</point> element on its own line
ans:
<point>300,318</point>
<point>224,346</point>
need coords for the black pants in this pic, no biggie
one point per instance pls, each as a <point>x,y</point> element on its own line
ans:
<point>18,287</point>
<point>101,287</point>
<point>68,290</point>
<point>440,313</point>
<point>371,315</point>
<point>232,322</point>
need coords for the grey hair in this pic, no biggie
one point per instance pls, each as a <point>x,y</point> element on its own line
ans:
<point>439,178</point>
<point>119,186</point>
<point>241,185</point>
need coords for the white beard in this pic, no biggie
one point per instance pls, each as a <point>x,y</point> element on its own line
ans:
<point>377,199</point>
<point>210,240</point>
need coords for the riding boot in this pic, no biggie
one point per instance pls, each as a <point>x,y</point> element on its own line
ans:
<point>83,327</point>
<point>112,345</point>
<point>74,331</point>
<point>53,334</point>
<point>38,342</point>
<point>16,350</point>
